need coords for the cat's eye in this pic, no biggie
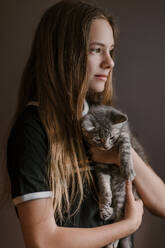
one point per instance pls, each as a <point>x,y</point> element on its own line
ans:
<point>111,138</point>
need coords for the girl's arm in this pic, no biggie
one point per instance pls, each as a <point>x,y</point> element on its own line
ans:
<point>40,229</point>
<point>150,187</point>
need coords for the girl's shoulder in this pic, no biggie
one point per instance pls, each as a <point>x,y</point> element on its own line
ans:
<point>28,136</point>
<point>29,115</point>
<point>27,157</point>
<point>28,124</point>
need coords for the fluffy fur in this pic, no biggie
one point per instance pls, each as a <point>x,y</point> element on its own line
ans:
<point>106,127</point>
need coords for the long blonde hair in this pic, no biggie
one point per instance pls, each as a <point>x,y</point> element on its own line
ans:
<point>55,76</point>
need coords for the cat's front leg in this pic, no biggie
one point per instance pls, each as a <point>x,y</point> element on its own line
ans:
<point>126,162</point>
<point>105,195</point>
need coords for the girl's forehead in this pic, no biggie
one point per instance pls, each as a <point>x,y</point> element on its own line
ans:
<point>101,32</point>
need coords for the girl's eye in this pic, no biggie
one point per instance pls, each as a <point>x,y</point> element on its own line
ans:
<point>95,50</point>
<point>111,52</point>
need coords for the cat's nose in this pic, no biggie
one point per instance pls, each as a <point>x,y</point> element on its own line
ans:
<point>106,147</point>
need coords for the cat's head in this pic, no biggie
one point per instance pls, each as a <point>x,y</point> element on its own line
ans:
<point>102,126</point>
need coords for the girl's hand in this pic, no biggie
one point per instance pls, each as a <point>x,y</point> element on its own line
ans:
<point>133,208</point>
<point>108,157</point>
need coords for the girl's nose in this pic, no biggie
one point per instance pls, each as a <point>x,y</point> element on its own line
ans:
<point>108,61</point>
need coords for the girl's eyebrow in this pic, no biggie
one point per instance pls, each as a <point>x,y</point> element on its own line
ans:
<point>101,44</point>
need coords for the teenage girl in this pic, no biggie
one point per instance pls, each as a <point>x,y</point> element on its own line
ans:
<point>54,188</point>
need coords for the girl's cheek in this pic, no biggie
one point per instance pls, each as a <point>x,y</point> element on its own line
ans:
<point>90,63</point>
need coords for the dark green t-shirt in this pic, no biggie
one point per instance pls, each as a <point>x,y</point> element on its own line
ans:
<point>27,151</point>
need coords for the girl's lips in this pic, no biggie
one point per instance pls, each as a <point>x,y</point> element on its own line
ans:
<point>102,77</point>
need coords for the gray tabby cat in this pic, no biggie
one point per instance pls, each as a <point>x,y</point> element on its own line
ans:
<point>106,127</point>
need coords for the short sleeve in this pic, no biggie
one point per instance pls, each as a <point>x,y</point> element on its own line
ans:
<point>27,162</point>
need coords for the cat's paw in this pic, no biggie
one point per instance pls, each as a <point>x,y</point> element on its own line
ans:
<point>131,174</point>
<point>106,213</point>
<point>128,173</point>
<point>113,245</point>
<point>109,246</point>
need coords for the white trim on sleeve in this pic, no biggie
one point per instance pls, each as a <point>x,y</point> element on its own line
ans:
<point>33,103</point>
<point>32,196</point>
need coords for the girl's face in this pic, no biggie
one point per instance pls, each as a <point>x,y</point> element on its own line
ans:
<point>99,61</point>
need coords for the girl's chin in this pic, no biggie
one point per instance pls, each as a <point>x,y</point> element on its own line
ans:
<point>97,86</point>
<point>97,89</point>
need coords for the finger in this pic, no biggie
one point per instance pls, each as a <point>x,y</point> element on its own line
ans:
<point>140,202</point>
<point>129,193</point>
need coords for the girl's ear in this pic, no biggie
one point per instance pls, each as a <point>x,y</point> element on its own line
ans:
<point>87,124</point>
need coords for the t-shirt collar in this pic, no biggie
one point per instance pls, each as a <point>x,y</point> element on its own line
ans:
<point>85,108</point>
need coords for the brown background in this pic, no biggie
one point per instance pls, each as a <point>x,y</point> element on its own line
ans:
<point>139,83</point>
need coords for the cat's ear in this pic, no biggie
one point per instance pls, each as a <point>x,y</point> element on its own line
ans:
<point>87,125</point>
<point>118,117</point>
